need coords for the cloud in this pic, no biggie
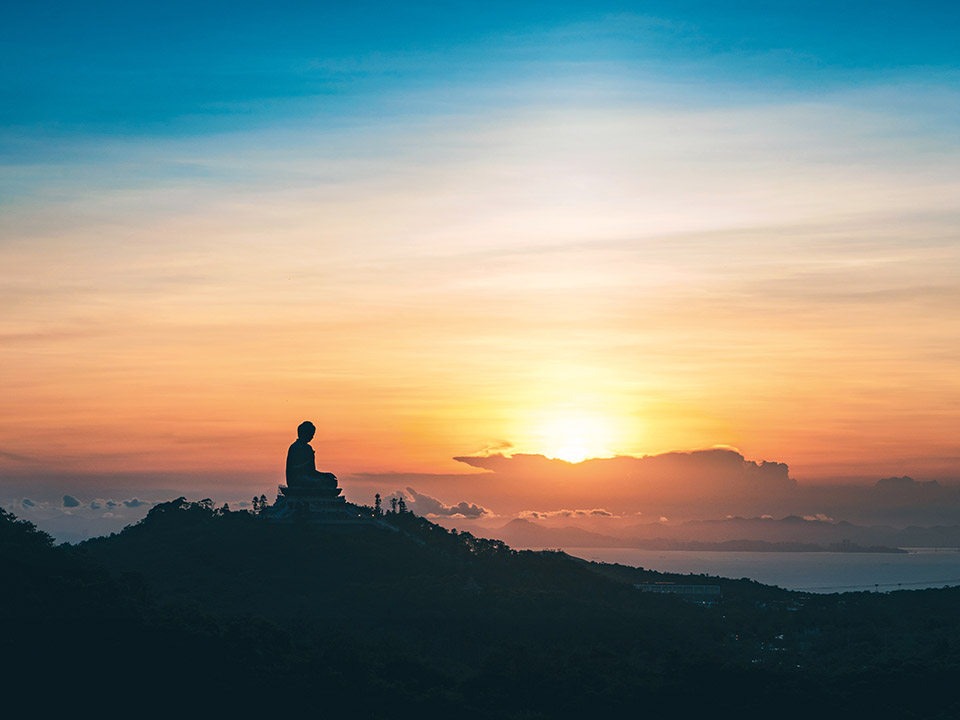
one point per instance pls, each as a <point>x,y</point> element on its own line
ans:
<point>496,447</point>
<point>547,514</point>
<point>70,520</point>
<point>703,484</point>
<point>906,485</point>
<point>819,517</point>
<point>16,457</point>
<point>426,505</point>
<point>720,479</point>
<point>99,503</point>
<point>714,466</point>
<point>721,463</point>
<point>71,506</point>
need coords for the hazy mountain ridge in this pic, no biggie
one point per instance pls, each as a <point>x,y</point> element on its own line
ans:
<point>793,528</point>
<point>696,485</point>
<point>893,502</point>
<point>788,534</point>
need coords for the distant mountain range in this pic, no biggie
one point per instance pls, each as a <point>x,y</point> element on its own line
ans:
<point>787,534</point>
<point>704,484</point>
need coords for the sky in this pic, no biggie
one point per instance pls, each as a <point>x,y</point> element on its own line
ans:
<point>443,230</point>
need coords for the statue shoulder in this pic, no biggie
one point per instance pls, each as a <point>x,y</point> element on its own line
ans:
<point>300,448</point>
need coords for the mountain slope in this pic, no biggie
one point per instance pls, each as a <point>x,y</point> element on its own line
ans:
<point>235,614</point>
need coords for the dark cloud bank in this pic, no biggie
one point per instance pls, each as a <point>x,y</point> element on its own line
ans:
<point>705,484</point>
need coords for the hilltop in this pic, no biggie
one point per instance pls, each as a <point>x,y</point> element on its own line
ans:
<point>200,607</point>
<point>314,577</point>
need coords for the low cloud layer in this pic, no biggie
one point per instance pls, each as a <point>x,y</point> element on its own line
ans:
<point>428,506</point>
<point>550,514</point>
<point>701,484</point>
<point>666,483</point>
<point>703,470</point>
<point>71,519</point>
<point>71,505</point>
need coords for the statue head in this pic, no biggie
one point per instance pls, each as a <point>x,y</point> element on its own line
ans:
<point>306,430</point>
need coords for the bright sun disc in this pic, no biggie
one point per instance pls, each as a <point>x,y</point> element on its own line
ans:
<point>572,453</point>
<point>574,438</point>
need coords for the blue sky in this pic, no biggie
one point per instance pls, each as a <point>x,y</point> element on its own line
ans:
<point>86,83</point>
<point>180,68</point>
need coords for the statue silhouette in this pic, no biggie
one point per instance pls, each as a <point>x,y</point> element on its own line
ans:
<point>301,462</point>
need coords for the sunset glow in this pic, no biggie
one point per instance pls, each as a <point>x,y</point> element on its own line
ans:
<point>575,437</point>
<point>587,237</point>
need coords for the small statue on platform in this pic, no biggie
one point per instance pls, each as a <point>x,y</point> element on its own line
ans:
<point>301,463</point>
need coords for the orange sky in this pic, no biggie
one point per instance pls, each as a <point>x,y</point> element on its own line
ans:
<point>628,279</point>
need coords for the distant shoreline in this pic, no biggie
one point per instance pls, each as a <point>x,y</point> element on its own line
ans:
<point>801,571</point>
<point>749,546</point>
<point>763,546</point>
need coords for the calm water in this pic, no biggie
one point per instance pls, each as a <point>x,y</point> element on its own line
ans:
<point>814,572</point>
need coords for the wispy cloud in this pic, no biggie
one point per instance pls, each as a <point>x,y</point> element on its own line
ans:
<point>550,514</point>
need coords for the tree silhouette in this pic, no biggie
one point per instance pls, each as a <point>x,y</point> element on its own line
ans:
<point>377,510</point>
<point>393,504</point>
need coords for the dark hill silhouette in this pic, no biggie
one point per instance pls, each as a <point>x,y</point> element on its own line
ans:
<point>238,563</point>
<point>226,612</point>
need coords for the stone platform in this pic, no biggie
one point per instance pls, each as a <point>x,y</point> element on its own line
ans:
<point>323,505</point>
<point>310,493</point>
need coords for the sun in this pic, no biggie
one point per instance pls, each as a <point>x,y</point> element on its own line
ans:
<point>575,437</point>
<point>571,453</point>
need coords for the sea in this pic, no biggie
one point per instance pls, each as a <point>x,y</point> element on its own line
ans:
<point>818,572</point>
